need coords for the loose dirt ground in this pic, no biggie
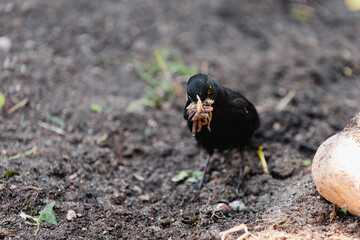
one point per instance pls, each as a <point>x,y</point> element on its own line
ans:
<point>66,55</point>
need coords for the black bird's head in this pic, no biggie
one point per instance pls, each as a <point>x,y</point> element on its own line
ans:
<point>202,86</point>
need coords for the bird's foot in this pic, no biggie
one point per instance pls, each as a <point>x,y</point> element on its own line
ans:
<point>240,183</point>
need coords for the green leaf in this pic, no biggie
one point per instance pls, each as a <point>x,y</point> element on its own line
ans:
<point>95,108</point>
<point>181,176</point>
<point>56,120</point>
<point>195,176</point>
<point>348,71</point>
<point>187,176</point>
<point>16,156</point>
<point>300,14</point>
<point>47,214</point>
<point>104,137</point>
<point>48,141</point>
<point>19,155</point>
<point>30,151</point>
<point>160,74</point>
<point>147,77</point>
<point>141,101</point>
<point>305,163</point>
<point>343,210</point>
<point>182,69</point>
<point>10,173</point>
<point>2,100</point>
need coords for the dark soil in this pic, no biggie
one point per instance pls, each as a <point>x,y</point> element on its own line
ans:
<point>66,55</point>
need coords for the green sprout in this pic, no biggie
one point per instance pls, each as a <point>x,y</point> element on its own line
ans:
<point>261,156</point>
<point>160,76</point>
<point>343,210</point>
<point>55,120</point>
<point>348,71</point>
<point>2,100</point>
<point>46,215</point>
<point>29,152</point>
<point>187,176</point>
<point>305,163</point>
<point>299,14</point>
<point>96,108</point>
<point>10,173</point>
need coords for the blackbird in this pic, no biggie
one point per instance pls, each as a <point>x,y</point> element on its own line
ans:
<point>231,122</point>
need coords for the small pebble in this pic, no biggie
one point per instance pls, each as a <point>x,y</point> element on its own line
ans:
<point>72,177</point>
<point>128,153</point>
<point>276,126</point>
<point>139,177</point>
<point>118,200</point>
<point>137,189</point>
<point>71,214</point>
<point>13,187</point>
<point>29,44</point>
<point>223,207</point>
<point>144,198</point>
<point>5,43</point>
<point>237,205</point>
<point>9,7</point>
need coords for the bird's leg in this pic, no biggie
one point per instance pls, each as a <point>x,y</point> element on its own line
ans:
<point>207,163</point>
<point>240,178</point>
<point>225,155</point>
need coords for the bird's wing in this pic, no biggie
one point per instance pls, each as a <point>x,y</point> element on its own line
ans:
<point>246,112</point>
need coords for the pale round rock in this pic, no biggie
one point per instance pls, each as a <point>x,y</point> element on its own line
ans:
<point>336,170</point>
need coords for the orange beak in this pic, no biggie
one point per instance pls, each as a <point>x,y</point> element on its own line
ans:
<point>198,104</point>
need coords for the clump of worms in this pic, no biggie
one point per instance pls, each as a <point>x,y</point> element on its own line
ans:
<point>200,114</point>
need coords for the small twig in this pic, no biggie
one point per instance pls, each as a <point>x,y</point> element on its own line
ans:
<point>30,187</point>
<point>18,105</point>
<point>67,158</point>
<point>236,229</point>
<point>51,128</point>
<point>333,213</point>
<point>37,230</point>
<point>285,101</point>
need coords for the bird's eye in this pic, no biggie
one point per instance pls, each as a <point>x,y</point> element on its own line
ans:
<point>209,89</point>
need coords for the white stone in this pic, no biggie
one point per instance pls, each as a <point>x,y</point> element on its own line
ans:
<point>5,44</point>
